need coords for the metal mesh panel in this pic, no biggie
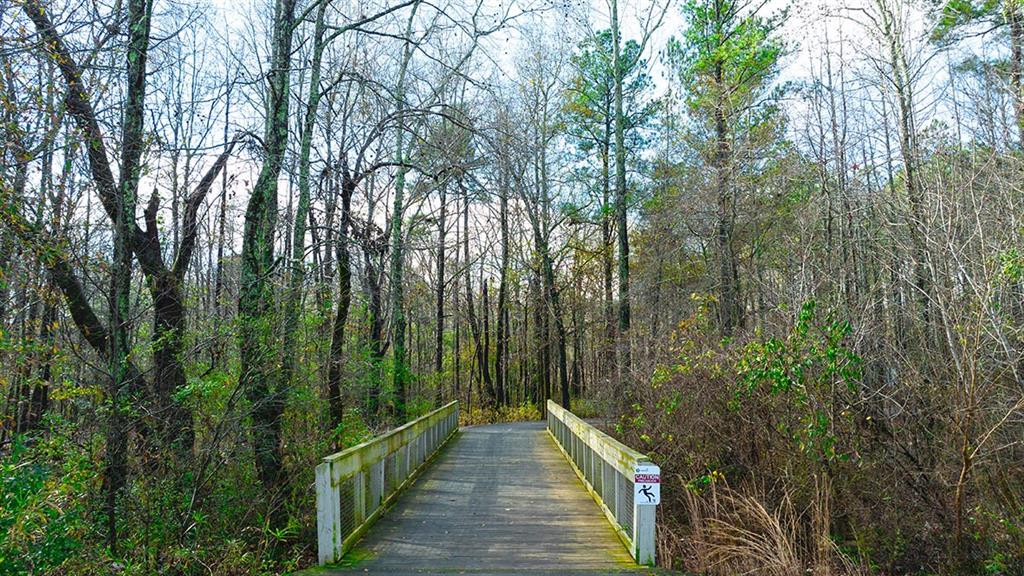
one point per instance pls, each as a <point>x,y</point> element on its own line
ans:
<point>625,499</point>
<point>391,478</point>
<point>585,456</point>
<point>608,485</point>
<point>375,488</point>
<point>359,484</point>
<point>347,502</point>
<point>403,463</point>
<point>592,463</point>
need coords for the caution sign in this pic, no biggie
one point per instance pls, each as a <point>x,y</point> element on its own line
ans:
<point>647,485</point>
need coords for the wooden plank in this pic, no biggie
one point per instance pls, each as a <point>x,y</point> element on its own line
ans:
<point>608,513</point>
<point>351,539</point>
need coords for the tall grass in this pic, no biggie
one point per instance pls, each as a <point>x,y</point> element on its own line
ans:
<point>754,532</point>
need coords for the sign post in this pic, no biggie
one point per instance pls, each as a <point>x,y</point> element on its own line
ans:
<point>646,497</point>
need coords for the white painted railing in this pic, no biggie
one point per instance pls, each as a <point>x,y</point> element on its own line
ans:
<point>606,467</point>
<point>354,486</point>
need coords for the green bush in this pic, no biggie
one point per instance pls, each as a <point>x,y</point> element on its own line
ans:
<point>43,508</point>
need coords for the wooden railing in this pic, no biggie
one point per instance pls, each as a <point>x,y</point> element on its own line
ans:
<point>354,486</point>
<point>607,467</point>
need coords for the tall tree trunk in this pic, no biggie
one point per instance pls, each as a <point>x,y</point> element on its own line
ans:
<point>901,82</point>
<point>334,391</point>
<point>607,248</point>
<point>540,387</point>
<point>167,290</point>
<point>373,264</point>
<point>39,402</point>
<point>121,386</point>
<point>293,301</point>
<point>484,375</point>
<point>730,312</point>
<point>1016,23</point>
<point>398,324</point>
<point>501,353</point>
<point>485,357</point>
<point>264,390</point>
<point>439,293</point>
<point>618,70</point>
<point>222,216</point>
<point>556,309</point>
<point>457,318</point>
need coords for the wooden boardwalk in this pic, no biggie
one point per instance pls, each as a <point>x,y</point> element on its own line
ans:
<point>500,499</point>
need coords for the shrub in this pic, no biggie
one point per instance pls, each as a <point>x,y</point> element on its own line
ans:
<point>43,516</point>
<point>493,415</point>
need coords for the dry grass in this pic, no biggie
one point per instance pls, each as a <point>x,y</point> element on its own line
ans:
<point>736,533</point>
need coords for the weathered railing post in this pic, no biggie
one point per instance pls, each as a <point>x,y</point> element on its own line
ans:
<point>607,468</point>
<point>643,531</point>
<point>328,514</point>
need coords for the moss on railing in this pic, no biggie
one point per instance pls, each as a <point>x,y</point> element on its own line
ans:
<point>354,486</point>
<point>636,529</point>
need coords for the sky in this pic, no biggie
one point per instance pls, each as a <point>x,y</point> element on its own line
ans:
<point>810,25</point>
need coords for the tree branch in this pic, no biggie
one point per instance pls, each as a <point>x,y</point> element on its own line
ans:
<point>189,227</point>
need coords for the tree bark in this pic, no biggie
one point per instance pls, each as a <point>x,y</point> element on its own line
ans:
<point>439,299</point>
<point>623,344</point>
<point>335,362</point>
<point>293,306</point>
<point>262,385</point>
